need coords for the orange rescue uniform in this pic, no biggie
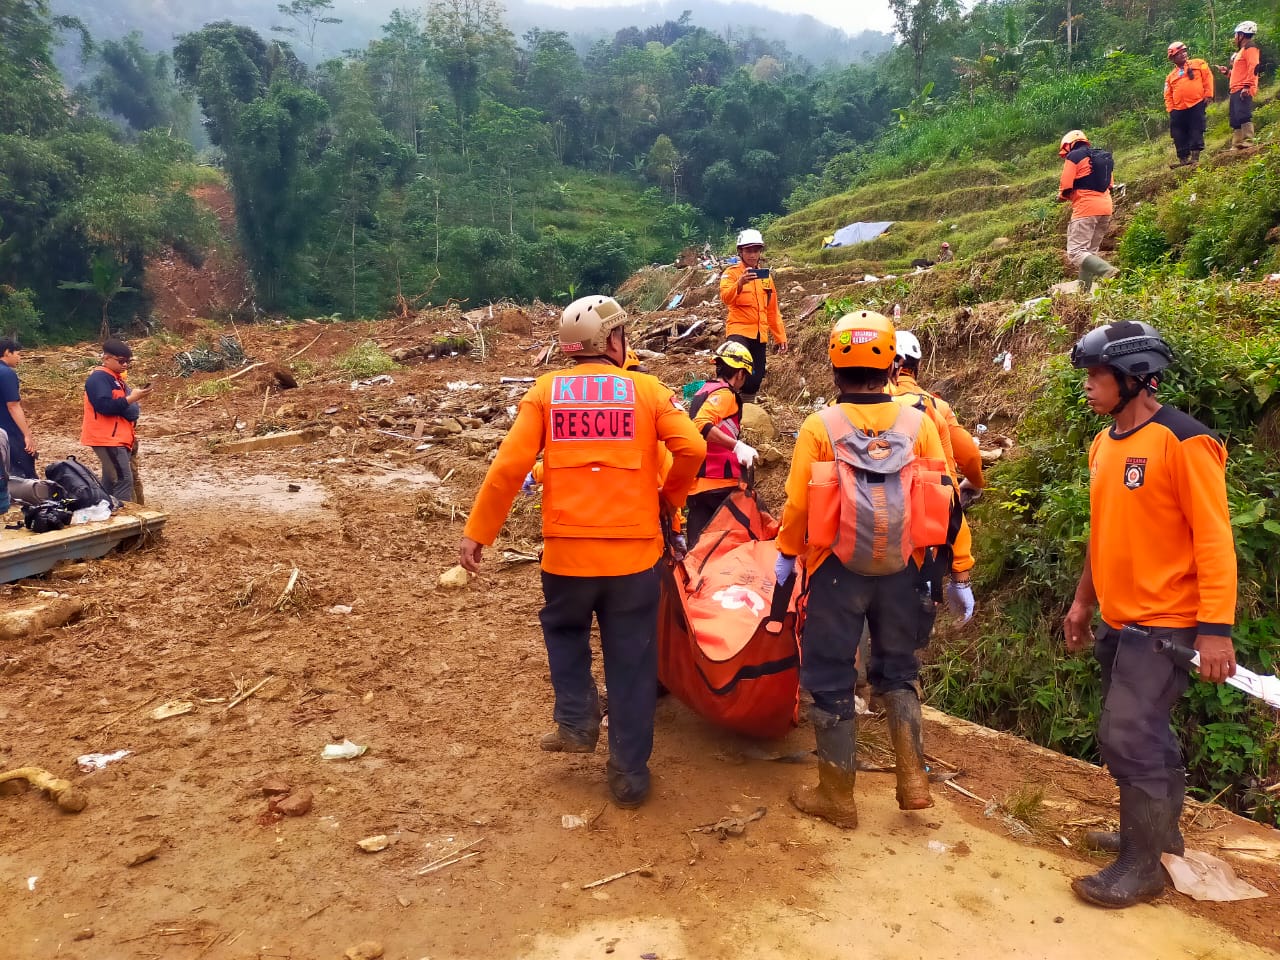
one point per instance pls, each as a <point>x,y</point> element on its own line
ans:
<point>1244,71</point>
<point>1161,550</point>
<point>1084,203</point>
<point>753,313</point>
<point>599,428</point>
<point>813,445</point>
<point>716,408</point>
<point>1182,91</point>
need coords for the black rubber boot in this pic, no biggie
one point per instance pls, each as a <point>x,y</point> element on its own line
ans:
<point>1110,840</point>
<point>832,799</point>
<point>1136,875</point>
<point>628,791</point>
<point>902,711</point>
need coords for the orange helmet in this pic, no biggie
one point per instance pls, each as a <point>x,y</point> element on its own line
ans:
<point>1070,138</point>
<point>862,339</point>
<point>1176,47</point>
<point>632,362</point>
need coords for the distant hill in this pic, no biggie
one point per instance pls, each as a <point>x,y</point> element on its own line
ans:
<point>160,21</point>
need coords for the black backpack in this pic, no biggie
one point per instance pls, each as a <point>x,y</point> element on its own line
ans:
<point>80,486</point>
<point>1101,166</point>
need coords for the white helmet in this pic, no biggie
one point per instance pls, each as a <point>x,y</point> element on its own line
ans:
<point>586,324</point>
<point>750,238</point>
<point>1246,26</point>
<point>907,345</point>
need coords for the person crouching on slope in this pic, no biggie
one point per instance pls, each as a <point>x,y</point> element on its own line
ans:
<point>1155,469</point>
<point>599,428</point>
<point>857,573</point>
<point>1088,190</point>
<point>717,413</point>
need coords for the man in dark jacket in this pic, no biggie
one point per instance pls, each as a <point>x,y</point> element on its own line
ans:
<point>110,413</point>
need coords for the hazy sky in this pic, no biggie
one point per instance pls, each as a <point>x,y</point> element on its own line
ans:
<point>850,15</point>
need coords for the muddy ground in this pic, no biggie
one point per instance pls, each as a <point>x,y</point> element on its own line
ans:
<point>448,689</point>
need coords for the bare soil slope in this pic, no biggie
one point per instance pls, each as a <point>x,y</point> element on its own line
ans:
<point>448,689</point>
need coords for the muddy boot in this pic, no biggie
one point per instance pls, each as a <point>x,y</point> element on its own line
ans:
<point>1094,268</point>
<point>1110,840</point>
<point>1136,875</point>
<point>1194,159</point>
<point>902,710</point>
<point>564,740</point>
<point>832,799</point>
<point>1180,162</point>
<point>1237,139</point>
<point>628,790</point>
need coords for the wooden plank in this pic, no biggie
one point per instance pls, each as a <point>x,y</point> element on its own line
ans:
<point>25,554</point>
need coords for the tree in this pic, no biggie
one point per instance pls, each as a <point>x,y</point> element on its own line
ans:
<point>106,281</point>
<point>918,23</point>
<point>469,38</point>
<point>309,15</point>
<point>139,86</point>
<point>32,99</point>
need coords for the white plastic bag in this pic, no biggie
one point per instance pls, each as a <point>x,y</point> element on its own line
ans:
<point>99,511</point>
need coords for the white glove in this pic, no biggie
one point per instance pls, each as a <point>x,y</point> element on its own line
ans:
<point>783,568</point>
<point>960,600</point>
<point>746,455</point>
<point>529,485</point>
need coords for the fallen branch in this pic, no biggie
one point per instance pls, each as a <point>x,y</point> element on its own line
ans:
<point>288,590</point>
<point>968,793</point>
<point>240,373</point>
<point>646,869</point>
<point>240,698</point>
<point>451,858</point>
<point>62,792</point>
<point>293,356</point>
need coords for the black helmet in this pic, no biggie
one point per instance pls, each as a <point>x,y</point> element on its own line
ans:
<point>1129,347</point>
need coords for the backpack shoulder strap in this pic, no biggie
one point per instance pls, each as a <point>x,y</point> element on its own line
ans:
<point>837,423</point>
<point>908,421</point>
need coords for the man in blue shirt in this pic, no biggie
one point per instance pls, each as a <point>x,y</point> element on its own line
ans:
<point>13,420</point>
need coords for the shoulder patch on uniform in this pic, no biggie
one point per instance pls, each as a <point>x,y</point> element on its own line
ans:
<point>1182,425</point>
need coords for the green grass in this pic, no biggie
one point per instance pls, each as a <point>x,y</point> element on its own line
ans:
<point>365,359</point>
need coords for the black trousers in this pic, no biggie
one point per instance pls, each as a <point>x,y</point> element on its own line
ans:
<point>1239,109</point>
<point>898,610</point>
<point>1140,685</point>
<point>117,472</point>
<point>1186,127</point>
<point>759,352</point>
<point>626,608</point>
<point>702,507</point>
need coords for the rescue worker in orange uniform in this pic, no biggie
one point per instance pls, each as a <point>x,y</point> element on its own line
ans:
<point>110,415</point>
<point>963,459</point>
<point>717,413</point>
<point>748,290</point>
<point>1154,470</point>
<point>1188,90</point>
<point>862,350</point>
<point>599,428</point>
<point>1089,193</point>
<point>1242,84</point>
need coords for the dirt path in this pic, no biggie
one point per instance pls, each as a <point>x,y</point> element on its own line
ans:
<point>449,691</point>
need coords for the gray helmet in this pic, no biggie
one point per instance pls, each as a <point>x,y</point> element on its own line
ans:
<point>586,324</point>
<point>1129,347</point>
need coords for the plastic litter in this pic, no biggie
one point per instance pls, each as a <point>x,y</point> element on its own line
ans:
<point>99,511</point>
<point>572,821</point>
<point>340,608</point>
<point>346,750</point>
<point>372,382</point>
<point>90,762</point>
<point>1202,876</point>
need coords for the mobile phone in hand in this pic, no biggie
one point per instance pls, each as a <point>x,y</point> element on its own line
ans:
<point>760,273</point>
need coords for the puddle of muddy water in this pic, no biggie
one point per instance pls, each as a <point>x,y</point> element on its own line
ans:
<point>266,492</point>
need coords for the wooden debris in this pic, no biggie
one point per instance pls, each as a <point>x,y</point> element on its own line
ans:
<point>240,698</point>
<point>457,856</point>
<point>645,871</point>
<point>809,306</point>
<point>968,793</point>
<point>732,826</point>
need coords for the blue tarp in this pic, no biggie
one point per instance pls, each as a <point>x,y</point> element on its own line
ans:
<point>847,236</point>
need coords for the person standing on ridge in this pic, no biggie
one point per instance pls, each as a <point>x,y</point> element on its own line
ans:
<point>1154,469</point>
<point>867,422</point>
<point>111,416</point>
<point>1243,84</point>
<point>1086,184</point>
<point>599,428</point>
<point>717,413</point>
<point>1188,90</point>
<point>748,290</point>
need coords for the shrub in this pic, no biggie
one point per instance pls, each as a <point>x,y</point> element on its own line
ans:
<point>365,359</point>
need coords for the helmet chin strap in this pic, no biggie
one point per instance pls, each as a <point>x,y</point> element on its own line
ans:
<point>1127,392</point>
